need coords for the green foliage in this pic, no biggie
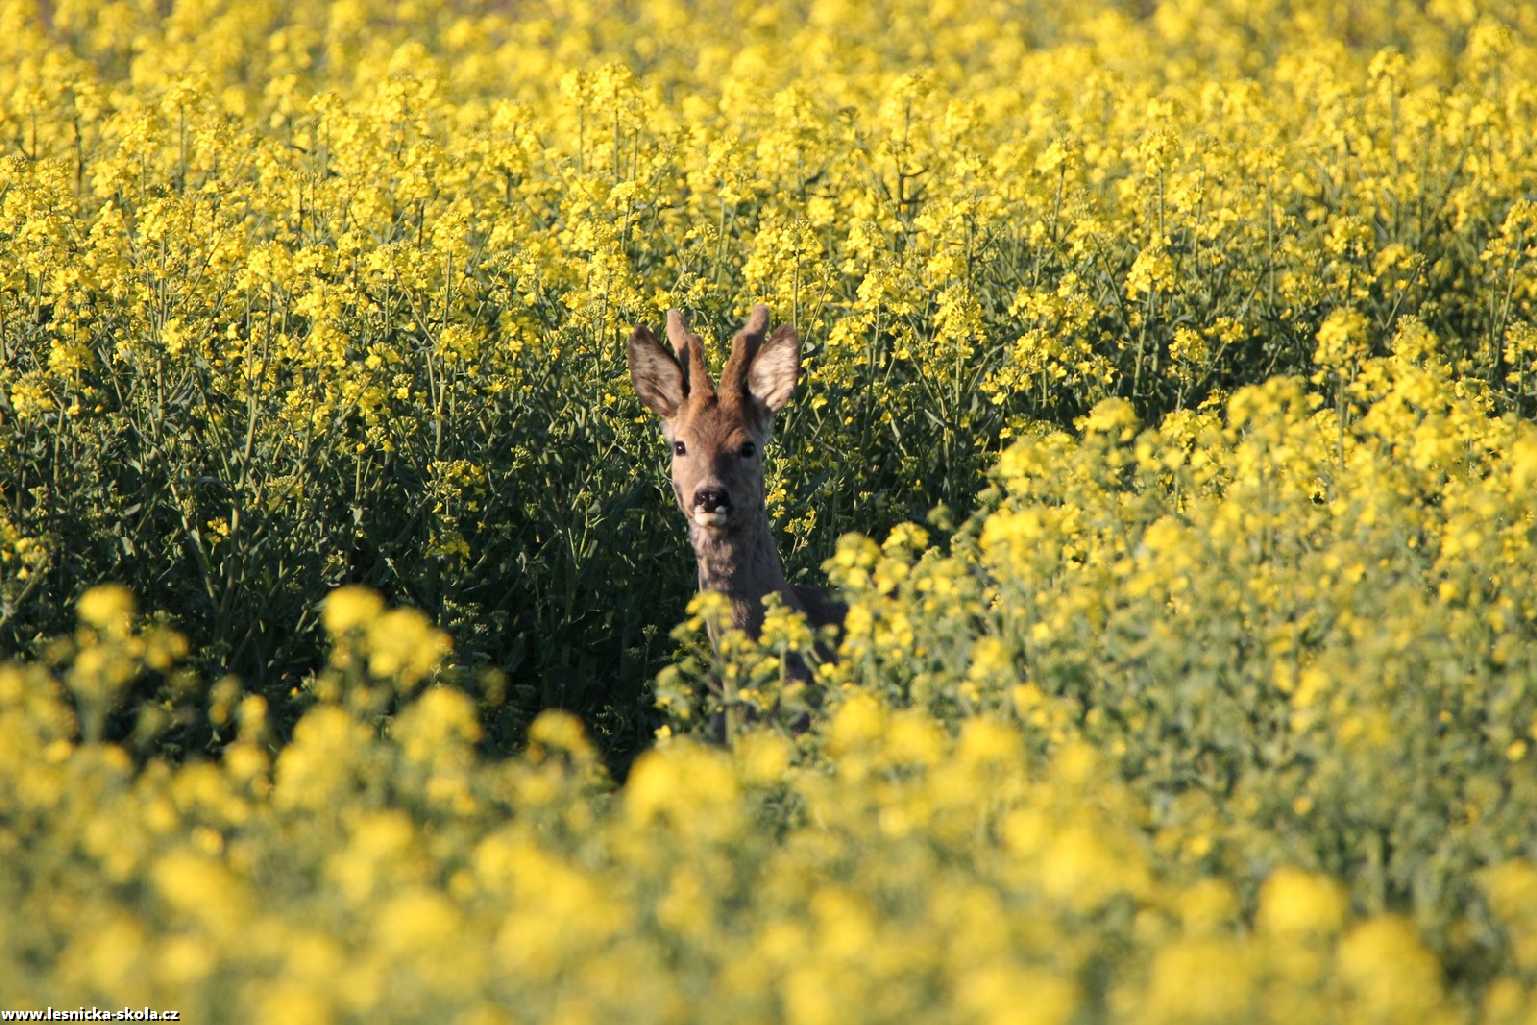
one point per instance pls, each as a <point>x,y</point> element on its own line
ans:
<point>1199,337</point>
<point>307,296</point>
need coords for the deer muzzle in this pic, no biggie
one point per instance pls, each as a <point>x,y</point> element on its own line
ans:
<point>712,507</point>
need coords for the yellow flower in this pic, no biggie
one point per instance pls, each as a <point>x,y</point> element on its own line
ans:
<point>1341,340</point>
<point>350,608</point>
<point>1206,980</point>
<point>1293,903</point>
<point>1152,273</point>
<point>1006,994</point>
<point>415,922</point>
<point>561,731</point>
<point>1207,905</point>
<point>200,887</point>
<point>763,756</point>
<point>1388,968</point>
<point>686,785</point>
<point>857,724</point>
<point>288,1002</point>
<point>440,725</point>
<point>402,645</point>
<point>108,607</point>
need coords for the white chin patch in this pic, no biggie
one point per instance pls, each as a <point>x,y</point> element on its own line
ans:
<point>711,519</point>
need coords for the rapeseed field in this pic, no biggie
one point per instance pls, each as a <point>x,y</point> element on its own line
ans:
<point>1166,423</point>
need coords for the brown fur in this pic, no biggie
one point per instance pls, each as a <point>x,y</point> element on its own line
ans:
<point>736,557</point>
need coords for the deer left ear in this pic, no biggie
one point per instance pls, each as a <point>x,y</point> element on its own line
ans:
<point>656,374</point>
<point>775,369</point>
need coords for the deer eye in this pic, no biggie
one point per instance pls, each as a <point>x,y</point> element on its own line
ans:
<point>679,449</point>
<point>749,450</point>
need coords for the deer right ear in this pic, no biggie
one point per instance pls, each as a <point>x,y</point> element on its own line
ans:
<point>656,374</point>
<point>775,369</point>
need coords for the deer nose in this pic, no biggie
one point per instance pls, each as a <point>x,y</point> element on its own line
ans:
<point>712,500</point>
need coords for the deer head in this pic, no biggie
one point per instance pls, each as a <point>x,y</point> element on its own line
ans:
<point>717,434</point>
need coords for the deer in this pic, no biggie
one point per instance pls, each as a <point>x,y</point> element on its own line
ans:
<point>717,435</point>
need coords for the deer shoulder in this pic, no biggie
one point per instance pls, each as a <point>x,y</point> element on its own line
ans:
<point>822,608</point>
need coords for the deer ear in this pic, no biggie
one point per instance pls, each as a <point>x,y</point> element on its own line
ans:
<point>656,374</point>
<point>775,369</point>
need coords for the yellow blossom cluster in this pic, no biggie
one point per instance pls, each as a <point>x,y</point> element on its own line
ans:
<point>1241,738</point>
<point>297,295</point>
<point>1200,336</point>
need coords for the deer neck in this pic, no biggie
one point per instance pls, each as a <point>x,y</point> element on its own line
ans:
<point>744,566</point>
